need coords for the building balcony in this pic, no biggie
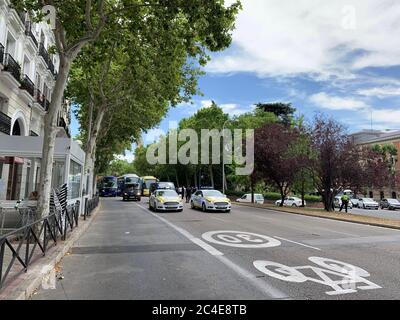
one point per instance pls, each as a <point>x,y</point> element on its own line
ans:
<point>1,53</point>
<point>28,85</point>
<point>29,33</point>
<point>40,98</point>
<point>10,65</point>
<point>44,54</point>
<point>5,123</point>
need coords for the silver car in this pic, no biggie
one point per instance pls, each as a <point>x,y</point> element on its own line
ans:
<point>368,203</point>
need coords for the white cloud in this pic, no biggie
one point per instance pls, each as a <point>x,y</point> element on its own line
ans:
<point>205,104</point>
<point>129,156</point>
<point>234,109</point>
<point>288,37</point>
<point>153,135</point>
<point>323,100</point>
<point>382,92</point>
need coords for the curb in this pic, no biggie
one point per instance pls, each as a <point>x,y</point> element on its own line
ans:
<point>322,217</point>
<point>29,282</point>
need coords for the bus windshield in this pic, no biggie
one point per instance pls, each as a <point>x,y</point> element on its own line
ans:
<point>149,182</point>
<point>109,182</point>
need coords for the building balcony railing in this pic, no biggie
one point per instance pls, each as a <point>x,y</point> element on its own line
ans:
<point>40,98</point>
<point>46,105</point>
<point>1,53</point>
<point>51,66</point>
<point>43,53</point>
<point>10,65</point>
<point>28,85</point>
<point>29,33</point>
<point>5,123</point>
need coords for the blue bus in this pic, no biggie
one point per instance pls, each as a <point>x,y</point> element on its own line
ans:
<point>108,186</point>
<point>127,179</point>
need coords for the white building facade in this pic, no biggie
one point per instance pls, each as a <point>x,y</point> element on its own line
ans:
<point>27,77</point>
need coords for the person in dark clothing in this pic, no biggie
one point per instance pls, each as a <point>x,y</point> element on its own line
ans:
<point>188,194</point>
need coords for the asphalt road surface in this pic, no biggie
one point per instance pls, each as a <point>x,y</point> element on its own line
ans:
<point>130,252</point>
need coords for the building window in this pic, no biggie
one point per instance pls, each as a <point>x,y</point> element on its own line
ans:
<point>74,180</point>
<point>382,194</point>
<point>371,194</point>
<point>394,195</point>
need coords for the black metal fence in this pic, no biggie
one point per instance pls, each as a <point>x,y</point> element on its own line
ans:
<point>90,205</point>
<point>19,245</point>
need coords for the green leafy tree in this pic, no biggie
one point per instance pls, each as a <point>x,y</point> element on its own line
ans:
<point>197,25</point>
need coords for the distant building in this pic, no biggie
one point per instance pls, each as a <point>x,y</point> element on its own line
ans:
<point>375,137</point>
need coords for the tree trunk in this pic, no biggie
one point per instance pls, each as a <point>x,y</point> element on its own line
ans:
<point>302,192</point>
<point>177,179</point>
<point>210,170</point>
<point>282,196</point>
<point>91,148</point>
<point>195,178</point>
<point>49,139</point>
<point>252,189</point>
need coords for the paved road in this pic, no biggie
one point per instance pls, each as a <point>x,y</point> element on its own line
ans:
<point>130,252</point>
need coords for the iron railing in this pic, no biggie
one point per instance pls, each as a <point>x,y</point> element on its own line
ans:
<point>20,244</point>
<point>28,85</point>
<point>5,123</point>
<point>43,53</point>
<point>29,33</point>
<point>1,53</point>
<point>12,66</point>
<point>90,205</point>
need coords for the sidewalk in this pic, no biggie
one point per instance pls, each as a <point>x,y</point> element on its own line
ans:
<point>20,285</point>
<point>367,220</point>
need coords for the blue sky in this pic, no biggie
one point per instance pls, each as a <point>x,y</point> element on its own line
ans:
<point>338,57</point>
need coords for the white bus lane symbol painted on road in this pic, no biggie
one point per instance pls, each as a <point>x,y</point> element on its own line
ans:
<point>240,239</point>
<point>350,278</point>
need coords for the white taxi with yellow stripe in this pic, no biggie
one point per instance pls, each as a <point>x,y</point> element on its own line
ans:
<point>210,200</point>
<point>165,200</point>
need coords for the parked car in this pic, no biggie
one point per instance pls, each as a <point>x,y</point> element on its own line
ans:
<point>368,203</point>
<point>210,200</point>
<point>165,200</point>
<point>391,204</point>
<point>258,198</point>
<point>290,202</point>
<point>338,202</point>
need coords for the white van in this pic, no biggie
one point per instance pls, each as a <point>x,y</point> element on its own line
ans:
<point>258,198</point>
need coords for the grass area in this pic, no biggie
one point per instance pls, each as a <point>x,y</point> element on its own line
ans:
<point>317,212</point>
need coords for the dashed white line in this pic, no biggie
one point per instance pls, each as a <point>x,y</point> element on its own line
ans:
<point>300,244</point>
<point>260,284</point>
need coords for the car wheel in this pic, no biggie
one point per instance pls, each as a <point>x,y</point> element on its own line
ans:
<point>294,205</point>
<point>203,207</point>
<point>139,199</point>
<point>191,205</point>
<point>228,211</point>
<point>180,210</point>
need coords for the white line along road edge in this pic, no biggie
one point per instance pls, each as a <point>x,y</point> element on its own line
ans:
<point>260,284</point>
<point>300,244</point>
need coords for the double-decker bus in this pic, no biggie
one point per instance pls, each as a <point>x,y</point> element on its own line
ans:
<point>130,178</point>
<point>147,181</point>
<point>108,186</point>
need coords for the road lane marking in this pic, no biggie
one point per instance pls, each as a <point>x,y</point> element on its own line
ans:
<point>188,235</point>
<point>300,244</point>
<point>240,239</point>
<point>341,277</point>
<point>262,285</point>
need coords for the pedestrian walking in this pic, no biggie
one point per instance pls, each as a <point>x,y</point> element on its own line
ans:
<point>345,202</point>
<point>188,194</point>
